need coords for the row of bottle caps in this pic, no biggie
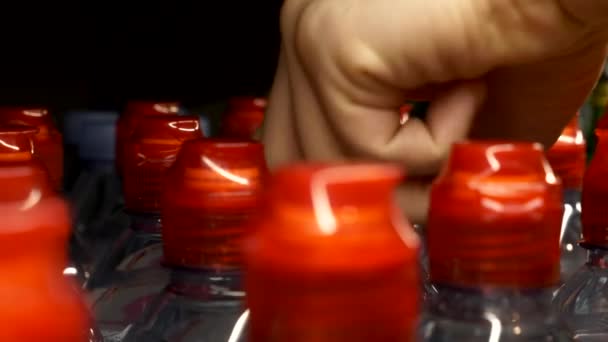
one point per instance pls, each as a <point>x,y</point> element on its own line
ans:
<point>495,205</point>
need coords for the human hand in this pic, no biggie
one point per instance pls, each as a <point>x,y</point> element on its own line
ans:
<point>346,66</point>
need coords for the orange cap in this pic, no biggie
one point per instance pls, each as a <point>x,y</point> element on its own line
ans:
<point>134,111</point>
<point>245,115</point>
<point>495,218</point>
<point>149,152</point>
<point>331,242</point>
<point>48,141</point>
<point>595,196</point>
<point>209,195</point>
<point>568,155</point>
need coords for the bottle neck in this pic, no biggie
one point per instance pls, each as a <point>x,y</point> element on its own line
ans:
<point>477,303</point>
<point>597,257</point>
<point>205,285</point>
<point>572,196</point>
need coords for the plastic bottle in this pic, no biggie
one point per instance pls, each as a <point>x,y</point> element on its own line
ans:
<point>493,243</point>
<point>127,122</point>
<point>243,117</point>
<point>582,301</point>
<point>211,193</point>
<point>568,160</point>
<point>333,259</point>
<point>37,302</point>
<point>149,152</point>
<point>48,140</point>
<point>195,293</point>
<point>95,194</point>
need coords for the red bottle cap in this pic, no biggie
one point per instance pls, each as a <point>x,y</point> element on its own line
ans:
<point>23,172</point>
<point>210,193</point>
<point>16,143</point>
<point>48,140</point>
<point>595,196</point>
<point>568,156</point>
<point>404,113</point>
<point>245,115</point>
<point>332,242</point>
<point>495,218</point>
<point>33,241</point>
<point>149,152</point>
<point>134,111</point>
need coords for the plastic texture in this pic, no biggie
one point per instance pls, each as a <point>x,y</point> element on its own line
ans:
<point>48,141</point>
<point>333,258</point>
<point>488,315</point>
<point>493,238</point>
<point>568,160</point>
<point>128,121</point>
<point>149,152</point>
<point>581,301</point>
<point>244,116</point>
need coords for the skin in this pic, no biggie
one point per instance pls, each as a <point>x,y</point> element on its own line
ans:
<point>492,69</point>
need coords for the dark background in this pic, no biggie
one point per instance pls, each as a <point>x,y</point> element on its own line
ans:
<point>95,54</point>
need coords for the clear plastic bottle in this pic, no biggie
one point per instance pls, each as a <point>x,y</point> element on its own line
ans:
<point>149,152</point>
<point>582,302</point>
<point>493,239</point>
<point>568,158</point>
<point>333,258</point>
<point>243,117</point>
<point>195,293</point>
<point>37,303</point>
<point>48,140</point>
<point>128,121</point>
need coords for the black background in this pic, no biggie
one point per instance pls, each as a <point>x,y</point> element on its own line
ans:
<point>99,54</point>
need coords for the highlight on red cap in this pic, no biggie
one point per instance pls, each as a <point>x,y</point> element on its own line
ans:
<point>595,196</point>
<point>47,140</point>
<point>568,155</point>
<point>244,116</point>
<point>332,241</point>
<point>21,175</point>
<point>134,111</point>
<point>149,152</point>
<point>495,218</point>
<point>16,142</point>
<point>210,194</point>
<point>404,112</point>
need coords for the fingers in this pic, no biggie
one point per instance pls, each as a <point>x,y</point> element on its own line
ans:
<point>413,199</point>
<point>592,12</point>
<point>534,102</point>
<point>278,132</point>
